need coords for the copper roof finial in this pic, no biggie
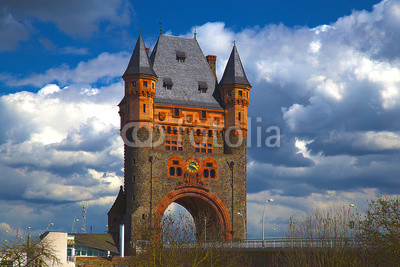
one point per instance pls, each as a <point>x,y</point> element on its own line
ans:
<point>195,32</point>
<point>160,25</point>
<point>234,42</point>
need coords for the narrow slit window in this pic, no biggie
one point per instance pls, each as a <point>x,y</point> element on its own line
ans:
<point>144,84</point>
<point>144,108</point>
<point>240,93</point>
<point>240,116</point>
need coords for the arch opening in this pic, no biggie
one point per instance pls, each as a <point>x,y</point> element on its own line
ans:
<point>208,220</point>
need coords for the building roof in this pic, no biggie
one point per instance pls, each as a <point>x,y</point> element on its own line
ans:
<point>184,76</point>
<point>119,205</point>
<point>234,72</point>
<point>98,241</point>
<point>139,62</point>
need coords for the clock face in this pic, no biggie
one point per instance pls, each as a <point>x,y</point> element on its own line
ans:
<point>192,165</point>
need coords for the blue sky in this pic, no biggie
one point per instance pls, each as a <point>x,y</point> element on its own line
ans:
<point>326,72</point>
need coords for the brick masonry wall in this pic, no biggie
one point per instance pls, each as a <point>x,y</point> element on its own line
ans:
<point>138,178</point>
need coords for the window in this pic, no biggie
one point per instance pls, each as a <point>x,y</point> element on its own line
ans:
<point>175,167</point>
<point>203,114</point>
<point>152,85</point>
<point>230,93</point>
<point>203,147</point>
<point>180,56</point>
<point>212,173</point>
<point>144,84</point>
<point>167,83</point>
<point>144,108</point>
<point>134,84</point>
<point>240,116</point>
<point>203,87</point>
<point>176,112</point>
<point>209,168</point>
<point>174,145</point>
<point>240,93</point>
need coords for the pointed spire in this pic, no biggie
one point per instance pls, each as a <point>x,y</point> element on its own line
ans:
<point>139,63</point>
<point>119,205</point>
<point>234,72</point>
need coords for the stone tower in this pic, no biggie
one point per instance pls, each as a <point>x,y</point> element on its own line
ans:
<point>185,141</point>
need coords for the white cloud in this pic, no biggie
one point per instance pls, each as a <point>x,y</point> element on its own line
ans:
<point>105,66</point>
<point>333,90</point>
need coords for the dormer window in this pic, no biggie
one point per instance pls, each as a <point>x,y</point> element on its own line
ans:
<point>180,56</point>
<point>167,83</point>
<point>203,87</point>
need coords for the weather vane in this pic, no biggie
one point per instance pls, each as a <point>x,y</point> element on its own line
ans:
<point>195,32</point>
<point>160,25</point>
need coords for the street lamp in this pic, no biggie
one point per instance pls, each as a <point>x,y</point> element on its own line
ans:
<point>244,226</point>
<point>73,224</point>
<point>48,226</point>
<point>265,205</point>
<point>205,229</point>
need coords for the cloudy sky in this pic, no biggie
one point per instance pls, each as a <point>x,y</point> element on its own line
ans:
<point>326,72</point>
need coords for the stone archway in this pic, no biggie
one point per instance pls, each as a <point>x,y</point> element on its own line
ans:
<point>198,201</point>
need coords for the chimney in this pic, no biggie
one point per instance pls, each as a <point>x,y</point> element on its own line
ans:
<point>212,60</point>
<point>147,50</point>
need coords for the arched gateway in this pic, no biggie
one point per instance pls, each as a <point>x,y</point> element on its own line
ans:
<point>185,141</point>
<point>200,203</point>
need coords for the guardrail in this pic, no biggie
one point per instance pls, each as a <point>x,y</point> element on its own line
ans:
<point>268,243</point>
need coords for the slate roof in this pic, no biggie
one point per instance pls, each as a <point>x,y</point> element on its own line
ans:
<point>139,62</point>
<point>119,205</point>
<point>185,76</point>
<point>98,241</point>
<point>234,72</point>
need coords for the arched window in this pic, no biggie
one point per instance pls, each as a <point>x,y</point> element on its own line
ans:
<point>172,171</point>
<point>178,171</point>
<point>175,166</point>
<point>210,168</point>
<point>212,173</point>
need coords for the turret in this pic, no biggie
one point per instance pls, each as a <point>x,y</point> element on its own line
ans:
<point>234,89</point>
<point>140,79</point>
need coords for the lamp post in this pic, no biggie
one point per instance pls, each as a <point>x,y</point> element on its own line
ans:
<point>73,224</point>
<point>48,226</point>
<point>205,229</point>
<point>244,225</point>
<point>265,205</point>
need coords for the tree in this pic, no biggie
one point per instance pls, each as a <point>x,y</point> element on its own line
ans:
<point>180,246</point>
<point>380,230</point>
<point>323,237</point>
<point>29,252</point>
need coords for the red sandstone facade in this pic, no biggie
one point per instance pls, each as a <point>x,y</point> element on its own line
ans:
<point>192,132</point>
